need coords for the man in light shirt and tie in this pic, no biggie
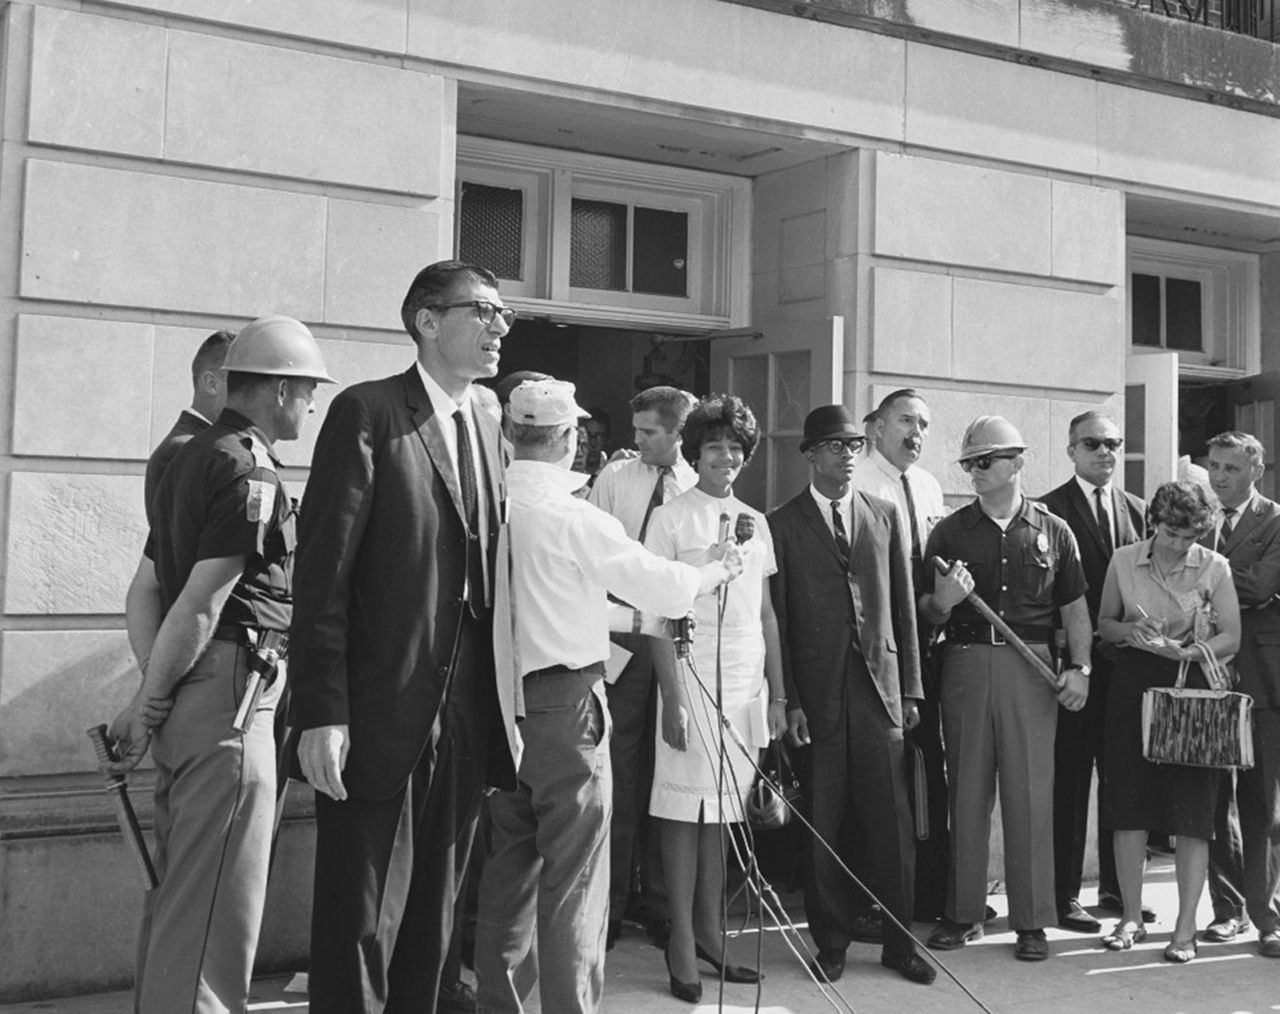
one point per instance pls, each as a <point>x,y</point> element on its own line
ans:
<point>631,490</point>
<point>558,557</point>
<point>897,430</point>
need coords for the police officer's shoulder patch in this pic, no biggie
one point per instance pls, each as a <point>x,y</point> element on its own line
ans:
<point>260,501</point>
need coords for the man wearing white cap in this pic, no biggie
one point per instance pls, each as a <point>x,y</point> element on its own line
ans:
<point>215,592</point>
<point>559,557</point>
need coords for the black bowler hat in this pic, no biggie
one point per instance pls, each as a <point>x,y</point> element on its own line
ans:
<point>828,422</point>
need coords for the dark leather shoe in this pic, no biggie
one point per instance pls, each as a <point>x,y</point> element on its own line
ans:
<point>1111,903</point>
<point>988,914</point>
<point>456,998</point>
<point>1223,931</point>
<point>1074,918</point>
<point>828,965</point>
<point>1031,946</point>
<point>689,992</point>
<point>911,966</point>
<point>1269,944</point>
<point>866,928</point>
<point>952,935</point>
<point>729,973</point>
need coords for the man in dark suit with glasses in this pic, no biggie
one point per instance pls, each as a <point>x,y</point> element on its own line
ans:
<point>1103,517</point>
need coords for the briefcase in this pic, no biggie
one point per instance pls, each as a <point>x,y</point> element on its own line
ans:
<point>917,789</point>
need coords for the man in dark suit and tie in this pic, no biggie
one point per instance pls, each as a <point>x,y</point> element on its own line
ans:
<point>1244,855</point>
<point>851,665</point>
<point>394,688</point>
<point>1103,517</point>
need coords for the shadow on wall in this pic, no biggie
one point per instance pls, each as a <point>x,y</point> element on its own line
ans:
<point>53,686</point>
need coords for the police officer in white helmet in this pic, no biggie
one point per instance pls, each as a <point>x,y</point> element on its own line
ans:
<point>999,715</point>
<point>212,596</point>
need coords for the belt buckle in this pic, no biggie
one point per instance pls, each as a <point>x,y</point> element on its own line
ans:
<point>997,638</point>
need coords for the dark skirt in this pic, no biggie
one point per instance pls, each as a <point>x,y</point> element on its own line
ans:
<point>1136,794</point>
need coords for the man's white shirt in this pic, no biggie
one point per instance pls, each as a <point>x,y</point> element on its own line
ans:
<point>624,488</point>
<point>566,555</point>
<point>878,476</point>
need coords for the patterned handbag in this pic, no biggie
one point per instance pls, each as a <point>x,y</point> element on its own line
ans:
<point>1198,728</point>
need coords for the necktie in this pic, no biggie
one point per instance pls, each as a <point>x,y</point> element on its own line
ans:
<point>471,512</point>
<point>1227,525</point>
<point>1104,521</point>
<point>655,499</point>
<point>911,513</point>
<point>842,537</point>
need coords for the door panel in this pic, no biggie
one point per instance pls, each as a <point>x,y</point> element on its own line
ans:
<point>781,376</point>
<point>1151,421</point>
<point>1253,403</point>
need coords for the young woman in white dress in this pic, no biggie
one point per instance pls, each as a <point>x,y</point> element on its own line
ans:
<point>690,798</point>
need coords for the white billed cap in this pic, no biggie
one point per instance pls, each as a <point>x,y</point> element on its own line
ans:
<point>545,403</point>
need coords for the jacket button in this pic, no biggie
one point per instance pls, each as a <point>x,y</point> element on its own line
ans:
<point>443,670</point>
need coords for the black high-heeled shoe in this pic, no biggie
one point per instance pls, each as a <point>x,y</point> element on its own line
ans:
<point>730,973</point>
<point>689,992</point>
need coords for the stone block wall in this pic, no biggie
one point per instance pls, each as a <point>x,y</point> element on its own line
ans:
<point>162,177</point>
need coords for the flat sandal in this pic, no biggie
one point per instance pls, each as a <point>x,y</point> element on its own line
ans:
<point>1124,936</point>
<point>1180,953</point>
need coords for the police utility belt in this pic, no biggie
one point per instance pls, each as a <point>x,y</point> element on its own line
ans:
<point>267,649</point>
<point>985,633</point>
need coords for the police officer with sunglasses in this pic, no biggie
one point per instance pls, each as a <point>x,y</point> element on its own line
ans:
<point>998,715</point>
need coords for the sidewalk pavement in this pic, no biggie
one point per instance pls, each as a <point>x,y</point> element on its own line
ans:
<point>1079,977</point>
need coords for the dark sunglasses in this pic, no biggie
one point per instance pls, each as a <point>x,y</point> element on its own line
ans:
<point>837,444</point>
<point>1093,443</point>
<point>485,310</point>
<point>983,463</point>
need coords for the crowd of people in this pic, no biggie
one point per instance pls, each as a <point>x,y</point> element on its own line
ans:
<point>473,622</point>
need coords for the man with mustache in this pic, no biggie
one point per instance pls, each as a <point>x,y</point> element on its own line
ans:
<point>897,429</point>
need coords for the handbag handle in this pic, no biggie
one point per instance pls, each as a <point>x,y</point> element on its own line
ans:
<point>1215,673</point>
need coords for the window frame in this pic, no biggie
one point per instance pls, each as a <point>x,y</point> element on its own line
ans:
<point>1230,321</point>
<point>718,255</point>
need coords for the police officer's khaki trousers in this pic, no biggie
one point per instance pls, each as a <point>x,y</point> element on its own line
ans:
<point>999,719</point>
<point>215,802</point>
<point>548,864</point>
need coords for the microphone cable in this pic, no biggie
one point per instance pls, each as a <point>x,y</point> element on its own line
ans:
<point>727,726</point>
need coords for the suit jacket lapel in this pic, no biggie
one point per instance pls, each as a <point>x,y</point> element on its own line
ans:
<point>432,436</point>
<point>1120,511</point>
<point>809,509</point>
<point>1247,521</point>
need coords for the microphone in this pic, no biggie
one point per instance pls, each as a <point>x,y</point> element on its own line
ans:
<point>724,528</point>
<point>744,528</point>
<point>683,636</point>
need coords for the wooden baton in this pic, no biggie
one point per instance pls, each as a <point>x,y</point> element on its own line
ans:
<point>129,825</point>
<point>1012,639</point>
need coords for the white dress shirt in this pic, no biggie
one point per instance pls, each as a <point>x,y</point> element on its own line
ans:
<point>566,555</point>
<point>443,409</point>
<point>624,489</point>
<point>877,475</point>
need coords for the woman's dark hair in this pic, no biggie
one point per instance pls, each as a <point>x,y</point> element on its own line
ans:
<point>1181,505</point>
<point>716,417</point>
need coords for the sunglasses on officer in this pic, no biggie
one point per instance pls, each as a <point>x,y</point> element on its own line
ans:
<point>485,310</point>
<point>838,444</point>
<point>981,464</point>
<point>1093,443</point>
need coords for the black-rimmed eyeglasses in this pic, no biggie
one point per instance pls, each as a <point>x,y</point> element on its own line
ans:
<point>485,310</point>
<point>838,444</point>
<point>1093,443</point>
<point>983,463</point>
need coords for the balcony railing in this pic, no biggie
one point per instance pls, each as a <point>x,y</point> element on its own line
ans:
<point>1256,18</point>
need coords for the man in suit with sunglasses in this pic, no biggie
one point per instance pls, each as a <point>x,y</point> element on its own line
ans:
<point>998,714</point>
<point>1103,517</point>
<point>404,721</point>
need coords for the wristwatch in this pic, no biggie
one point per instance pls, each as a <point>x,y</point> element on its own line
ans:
<point>1085,670</point>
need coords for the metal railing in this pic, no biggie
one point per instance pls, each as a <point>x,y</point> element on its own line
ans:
<point>1256,18</point>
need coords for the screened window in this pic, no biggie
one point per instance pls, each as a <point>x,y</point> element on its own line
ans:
<point>491,229</point>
